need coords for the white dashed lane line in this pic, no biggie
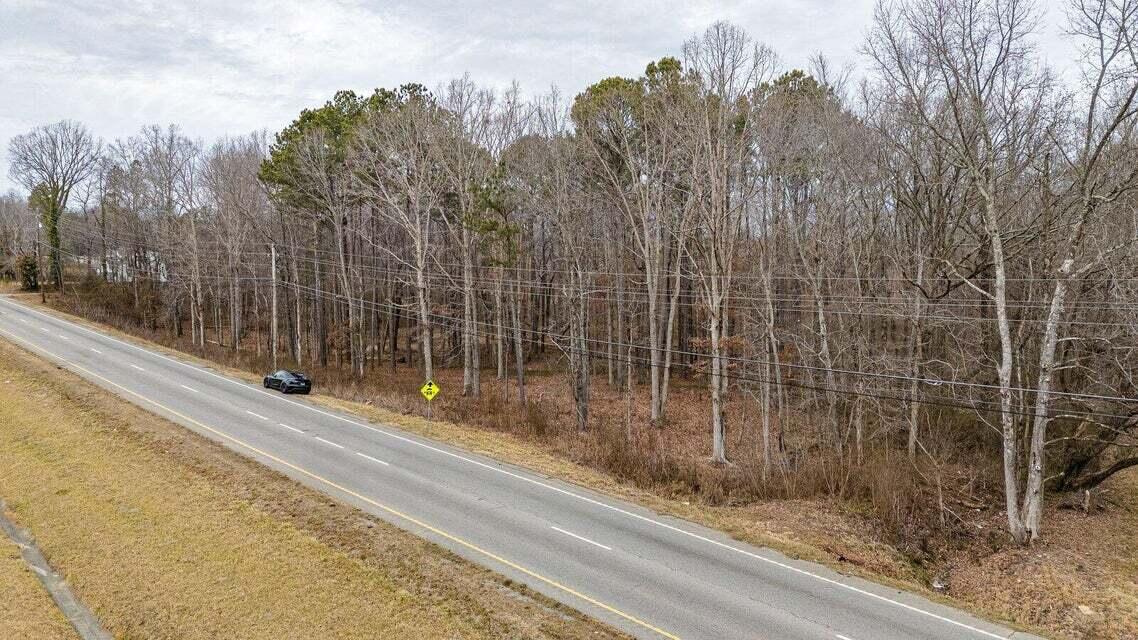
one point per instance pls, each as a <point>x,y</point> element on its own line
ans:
<point>581,538</point>
<point>364,455</point>
<point>290,428</point>
<point>189,388</point>
<point>137,367</point>
<point>338,446</point>
<point>95,350</point>
<point>255,415</point>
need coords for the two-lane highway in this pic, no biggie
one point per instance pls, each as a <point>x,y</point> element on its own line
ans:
<point>651,575</point>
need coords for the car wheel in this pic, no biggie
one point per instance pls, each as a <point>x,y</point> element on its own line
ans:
<point>284,388</point>
<point>265,382</point>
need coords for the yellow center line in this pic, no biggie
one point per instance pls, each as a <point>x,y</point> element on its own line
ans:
<point>399,514</point>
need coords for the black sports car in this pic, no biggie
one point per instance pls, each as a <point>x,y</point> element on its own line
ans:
<point>288,381</point>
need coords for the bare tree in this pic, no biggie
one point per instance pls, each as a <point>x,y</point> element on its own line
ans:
<point>969,59</point>
<point>1103,160</point>
<point>397,174</point>
<point>52,160</point>
<point>631,131</point>
<point>465,158</point>
<point>239,207</point>
<point>17,231</point>
<point>556,177</point>
<point>720,141</point>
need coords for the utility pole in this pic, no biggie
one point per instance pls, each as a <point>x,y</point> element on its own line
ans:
<point>273,332</point>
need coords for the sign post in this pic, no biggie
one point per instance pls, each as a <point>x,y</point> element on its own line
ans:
<point>429,391</point>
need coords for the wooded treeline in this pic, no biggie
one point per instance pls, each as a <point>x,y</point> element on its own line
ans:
<point>947,246</point>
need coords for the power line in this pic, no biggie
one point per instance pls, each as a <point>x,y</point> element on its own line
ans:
<point>989,406</point>
<point>726,358</point>
<point>691,300</point>
<point>627,346</point>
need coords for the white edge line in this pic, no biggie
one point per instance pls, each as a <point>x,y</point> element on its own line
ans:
<point>696,536</point>
<point>364,455</point>
<point>581,538</point>
<point>288,427</point>
<point>334,444</point>
<point>255,415</point>
<point>190,389</point>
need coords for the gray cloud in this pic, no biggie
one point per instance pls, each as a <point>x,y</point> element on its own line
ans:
<point>223,67</point>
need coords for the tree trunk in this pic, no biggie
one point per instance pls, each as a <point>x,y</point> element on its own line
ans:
<point>652,286</point>
<point>579,351</point>
<point>669,331</point>
<point>426,343</point>
<point>298,350</point>
<point>767,421</point>
<point>718,431</point>
<point>916,355</point>
<point>394,323</point>
<point>1004,372</point>
<point>519,355</point>
<point>609,357</point>
<point>235,310</point>
<point>470,360</point>
<point>828,363</point>
<point>1033,491</point>
<point>318,281</point>
<point>499,321</point>
<point>621,332</point>
<point>273,326</point>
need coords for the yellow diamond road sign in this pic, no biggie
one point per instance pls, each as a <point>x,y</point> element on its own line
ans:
<point>429,390</point>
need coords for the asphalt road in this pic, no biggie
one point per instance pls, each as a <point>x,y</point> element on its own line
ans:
<point>650,575</point>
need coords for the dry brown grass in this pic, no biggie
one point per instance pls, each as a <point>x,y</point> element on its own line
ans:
<point>667,471</point>
<point>164,534</point>
<point>26,609</point>
<point>1084,558</point>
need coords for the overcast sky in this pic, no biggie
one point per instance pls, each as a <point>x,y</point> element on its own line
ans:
<point>232,66</point>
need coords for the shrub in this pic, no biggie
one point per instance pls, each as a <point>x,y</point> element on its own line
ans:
<point>29,273</point>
